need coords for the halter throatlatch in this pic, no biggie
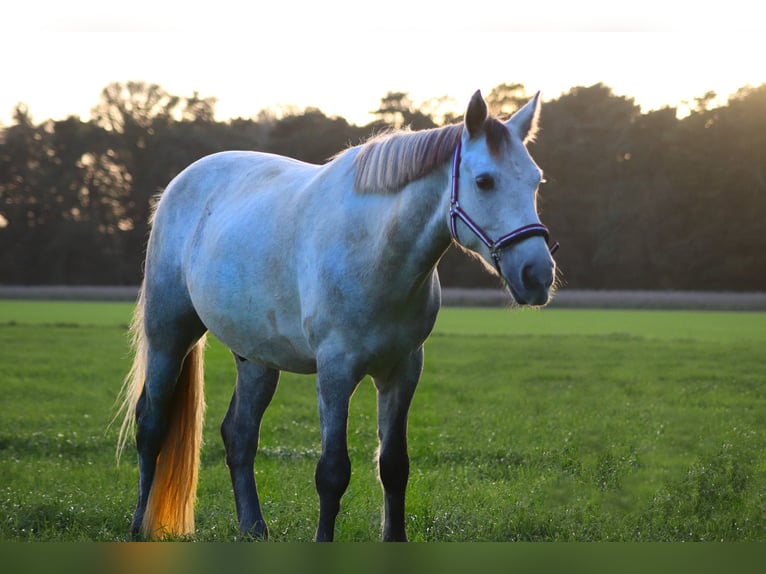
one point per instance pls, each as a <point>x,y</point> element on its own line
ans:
<point>456,212</point>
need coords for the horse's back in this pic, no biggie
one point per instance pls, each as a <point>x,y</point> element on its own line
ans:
<point>228,176</point>
<point>215,189</point>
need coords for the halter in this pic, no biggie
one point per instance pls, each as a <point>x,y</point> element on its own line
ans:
<point>456,212</point>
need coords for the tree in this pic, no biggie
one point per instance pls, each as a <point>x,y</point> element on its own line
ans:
<point>720,184</point>
<point>397,111</point>
<point>311,136</point>
<point>637,200</point>
<point>18,205</point>
<point>504,99</point>
<point>54,225</point>
<point>145,150</point>
<point>133,113</point>
<point>585,151</point>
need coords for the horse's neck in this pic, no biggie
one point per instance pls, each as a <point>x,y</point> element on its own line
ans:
<point>417,231</point>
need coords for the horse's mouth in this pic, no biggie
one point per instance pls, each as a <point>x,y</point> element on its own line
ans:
<point>528,297</point>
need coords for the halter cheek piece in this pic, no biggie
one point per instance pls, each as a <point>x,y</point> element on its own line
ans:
<point>456,212</point>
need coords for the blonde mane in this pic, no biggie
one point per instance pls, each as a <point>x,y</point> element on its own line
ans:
<point>388,162</point>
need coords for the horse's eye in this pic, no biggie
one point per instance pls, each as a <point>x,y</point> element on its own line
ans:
<point>485,182</point>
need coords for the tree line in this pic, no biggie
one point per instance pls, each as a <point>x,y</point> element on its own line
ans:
<point>637,200</point>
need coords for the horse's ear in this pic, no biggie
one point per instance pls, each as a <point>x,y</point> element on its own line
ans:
<point>524,122</point>
<point>476,114</point>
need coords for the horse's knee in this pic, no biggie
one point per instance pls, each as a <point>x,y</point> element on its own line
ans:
<point>333,474</point>
<point>394,470</point>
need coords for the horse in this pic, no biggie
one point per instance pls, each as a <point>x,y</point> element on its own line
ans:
<point>327,269</point>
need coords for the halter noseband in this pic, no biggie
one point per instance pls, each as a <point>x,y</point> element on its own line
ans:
<point>456,212</point>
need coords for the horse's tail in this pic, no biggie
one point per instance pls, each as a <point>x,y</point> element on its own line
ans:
<point>170,508</point>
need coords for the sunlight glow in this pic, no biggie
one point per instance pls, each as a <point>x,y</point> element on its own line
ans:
<point>334,56</point>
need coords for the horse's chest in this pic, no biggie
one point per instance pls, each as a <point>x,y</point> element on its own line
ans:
<point>377,336</point>
<point>386,349</point>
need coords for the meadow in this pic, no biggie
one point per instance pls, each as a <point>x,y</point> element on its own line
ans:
<point>555,425</point>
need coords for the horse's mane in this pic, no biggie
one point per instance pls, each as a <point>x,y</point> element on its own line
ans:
<point>389,161</point>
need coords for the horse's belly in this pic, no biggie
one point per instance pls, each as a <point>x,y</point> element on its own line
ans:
<point>255,324</point>
<point>263,343</point>
<point>280,352</point>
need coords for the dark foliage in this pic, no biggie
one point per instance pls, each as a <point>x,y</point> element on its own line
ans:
<point>637,200</point>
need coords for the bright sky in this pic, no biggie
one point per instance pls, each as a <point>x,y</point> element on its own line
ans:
<point>342,56</point>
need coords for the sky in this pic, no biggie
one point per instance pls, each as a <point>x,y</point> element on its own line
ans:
<point>343,56</point>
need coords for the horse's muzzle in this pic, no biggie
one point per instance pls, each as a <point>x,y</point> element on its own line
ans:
<point>530,280</point>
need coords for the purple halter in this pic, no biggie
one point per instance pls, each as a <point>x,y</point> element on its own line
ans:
<point>456,212</point>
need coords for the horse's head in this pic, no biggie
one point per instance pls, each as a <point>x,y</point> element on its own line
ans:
<point>493,208</point>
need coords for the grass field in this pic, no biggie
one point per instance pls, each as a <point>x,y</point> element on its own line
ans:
<point>560,425</point>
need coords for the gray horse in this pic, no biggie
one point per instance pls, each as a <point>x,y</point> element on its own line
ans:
<point>317,269</point>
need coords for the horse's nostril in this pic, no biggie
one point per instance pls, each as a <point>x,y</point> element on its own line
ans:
<point>528,276</point>
<point>533,279</point>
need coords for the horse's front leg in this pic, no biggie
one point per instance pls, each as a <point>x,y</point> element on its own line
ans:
<point>395,393</point>
<point>335,385</point>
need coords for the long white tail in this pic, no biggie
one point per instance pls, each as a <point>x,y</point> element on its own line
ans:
<point>170,509</point>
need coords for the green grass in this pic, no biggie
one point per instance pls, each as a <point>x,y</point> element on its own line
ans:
<point>547,425</point>
<point>705,325</point>
<point>709,326</point>
<point>65,313</point>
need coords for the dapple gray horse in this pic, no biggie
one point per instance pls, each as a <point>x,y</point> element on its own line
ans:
<point>317,269</point>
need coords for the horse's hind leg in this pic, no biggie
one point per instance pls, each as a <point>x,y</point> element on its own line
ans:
<point>152,425</point>
<point>240,429</point>
<point>165,359</point>
<point>394,397</point>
